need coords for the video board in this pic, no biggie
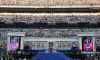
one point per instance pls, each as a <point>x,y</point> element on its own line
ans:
<point>14,43</point>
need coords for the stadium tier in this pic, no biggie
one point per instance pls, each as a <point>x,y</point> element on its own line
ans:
<point>50,21</point>
<point>50,18</point>
<point>49,29</point>
<point>48,3</point>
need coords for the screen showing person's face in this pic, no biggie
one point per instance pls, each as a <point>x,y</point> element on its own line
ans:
<point>14,42</point>
<point>87,44</point>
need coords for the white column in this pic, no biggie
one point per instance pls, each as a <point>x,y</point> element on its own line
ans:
<point>80,43</point>
<point>22,43</point>
<point>8,43</point>
<point>94,46</point>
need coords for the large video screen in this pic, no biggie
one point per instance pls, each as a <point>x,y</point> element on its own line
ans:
<point>14,43</point>
<point>87,43</point>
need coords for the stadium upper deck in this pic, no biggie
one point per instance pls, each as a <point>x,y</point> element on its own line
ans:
<point>50,18</point>
<point>49,3</point>
<point>47,20</point>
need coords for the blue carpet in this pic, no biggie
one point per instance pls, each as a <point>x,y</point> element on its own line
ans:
<point>50,56</point>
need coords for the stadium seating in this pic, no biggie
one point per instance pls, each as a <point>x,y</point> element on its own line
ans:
<point>50,19</point>
<point>49,22</point>
<point>48,2</point>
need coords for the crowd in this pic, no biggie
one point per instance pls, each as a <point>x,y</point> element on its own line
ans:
<point>3,51</point>
<point>49,2</point>
<point>47,32</point>
<point>50,19</point>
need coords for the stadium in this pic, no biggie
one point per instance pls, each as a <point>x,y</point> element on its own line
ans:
<point>49,30</point>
